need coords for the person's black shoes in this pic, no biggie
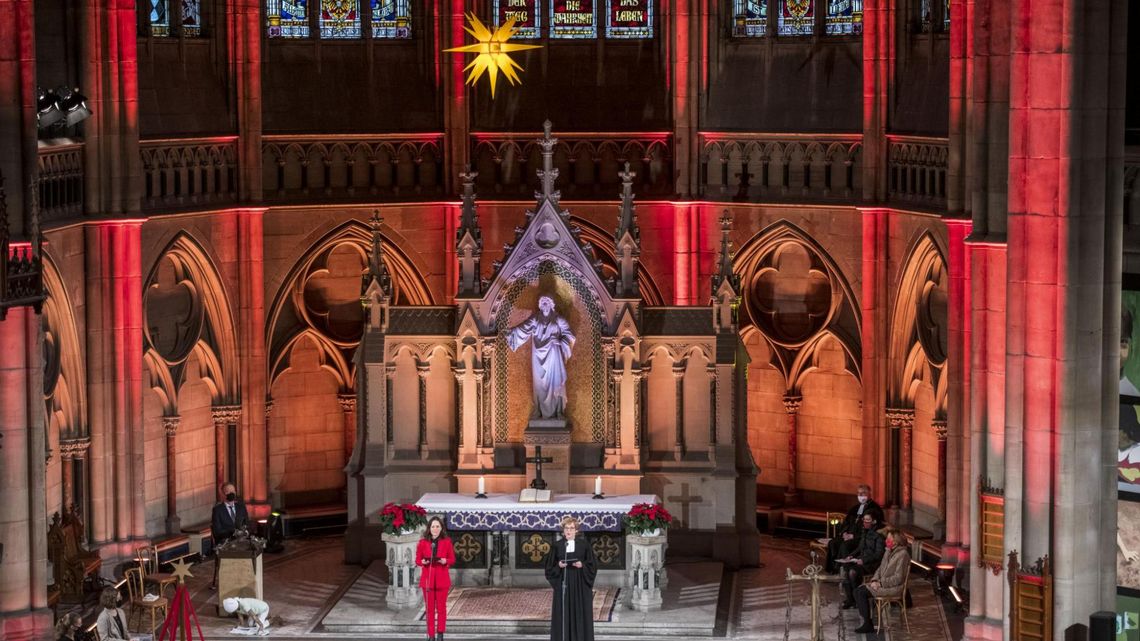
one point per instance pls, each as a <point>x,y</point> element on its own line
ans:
<point>847,605</point>
<point>439,637</point>
<point>866,628</point>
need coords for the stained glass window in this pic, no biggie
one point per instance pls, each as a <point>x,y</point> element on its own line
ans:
<point>750,18</point>
<point>796,18</point>
<point>844,17</point>
<point>573,19</point>
<point>159,18</point>
<point>527,15</point>
<point>391,19</point>
<point>629,18</point>
<point>340,19</point>
<point>288,18</point>
<point>191,18</point>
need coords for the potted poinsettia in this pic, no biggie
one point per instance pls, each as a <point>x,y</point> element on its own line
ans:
<point>402,518</point>
<point>648,519</point>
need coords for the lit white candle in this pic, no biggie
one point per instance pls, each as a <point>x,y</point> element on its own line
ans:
<point>481,485</point>
<point>597,485</point>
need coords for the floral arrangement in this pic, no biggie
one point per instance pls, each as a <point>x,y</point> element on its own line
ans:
<point>398,517</point>
<point>644,517</point>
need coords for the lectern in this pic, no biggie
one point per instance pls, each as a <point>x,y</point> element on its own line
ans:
<point>239,568</point>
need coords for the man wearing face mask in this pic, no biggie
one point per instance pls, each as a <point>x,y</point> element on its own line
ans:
<point>864,561</point>
<point>228,517</point>
<point>849,532</point>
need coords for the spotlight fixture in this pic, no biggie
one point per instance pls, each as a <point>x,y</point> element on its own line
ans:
<point>945,577</point>
<point>920,565</point>
<point>275,537</point>
<point>959,600</point>
<point>48,112</point>
<point>74,105</point>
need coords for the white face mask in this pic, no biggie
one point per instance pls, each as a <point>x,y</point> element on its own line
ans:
<point>862,498</point>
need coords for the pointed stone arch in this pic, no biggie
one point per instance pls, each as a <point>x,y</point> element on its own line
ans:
<point>918,326</point>
<point>65,372</point>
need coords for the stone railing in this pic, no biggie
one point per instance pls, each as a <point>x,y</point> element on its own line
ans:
<point>189,172</point>
<point>775,167</point>
<point>588,163</point>
<point>61,179</point>
<point>352,166</point>
<point>916,167</point>
<point>21,264</point>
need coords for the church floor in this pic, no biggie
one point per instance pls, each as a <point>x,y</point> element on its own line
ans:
<point>316,597</point>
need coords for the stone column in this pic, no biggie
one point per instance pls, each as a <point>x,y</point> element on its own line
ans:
<point>422,370</point>
<point>460,422</point>
<point>679,386</point>
<point>23,521</point>
<point>114,364</point>
<point>389,375</point>
<point>958,372</point>
<point>686,32</point>
<point>639,436</point>
<point>792,405</point>
<point>456,118</point>
<point>874,304</point>
<point>244,49</point>
<point>18,157</point>
<point>613,439</point>
<point>902,419</point>
<point>486,403</point>
<point>70,451</point>
<point>224,417</point>
<point>348,407</point>
<point>939,425</point>
<point>878,85</point>
<point>170,426</point>
<point>253,477</point>
<point>714,411</point>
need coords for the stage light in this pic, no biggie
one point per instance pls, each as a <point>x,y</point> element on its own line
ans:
<point>920,565</point>
<point>945,577</point>
<point>48,112</point>
<point>275,537</point>
<point>74,105</point>
<point>954,593</point>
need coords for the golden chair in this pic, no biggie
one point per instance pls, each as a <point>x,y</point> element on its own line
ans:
<point>147,557</point>
<point>883,605</point>
<point>136,590</point>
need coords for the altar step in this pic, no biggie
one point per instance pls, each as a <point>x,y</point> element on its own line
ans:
<point>690,605</point>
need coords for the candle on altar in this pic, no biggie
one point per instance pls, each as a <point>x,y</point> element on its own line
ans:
<point>597,485</point>
<point>481,485</point>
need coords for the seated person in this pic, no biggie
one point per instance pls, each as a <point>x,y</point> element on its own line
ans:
<point>847,535</point>
<point>864,561</point>
<point>112,623</point>
<point>250,612</point>
<point>888,579</point>
<point>68,627</point>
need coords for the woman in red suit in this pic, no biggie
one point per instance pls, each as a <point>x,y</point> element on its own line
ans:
<point>435,555</point>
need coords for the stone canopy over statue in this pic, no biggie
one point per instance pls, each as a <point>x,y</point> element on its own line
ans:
<point>551,345</point>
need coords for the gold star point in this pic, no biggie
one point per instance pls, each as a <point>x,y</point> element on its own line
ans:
<point>492,49</point>
<point>181,570</point>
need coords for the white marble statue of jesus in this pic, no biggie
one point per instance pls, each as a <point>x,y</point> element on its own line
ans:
<point>551,343</point>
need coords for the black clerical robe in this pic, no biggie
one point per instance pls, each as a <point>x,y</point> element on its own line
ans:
<point>579,621</point>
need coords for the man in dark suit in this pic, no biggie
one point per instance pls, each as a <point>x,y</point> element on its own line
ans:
<point>847,535</point>
<point>229,516</point>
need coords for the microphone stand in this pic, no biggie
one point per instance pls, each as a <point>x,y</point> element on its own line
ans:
<point>565,620</point>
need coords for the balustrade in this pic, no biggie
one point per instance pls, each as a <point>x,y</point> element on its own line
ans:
<point>916,169</point>
<point>747,167</point>
<point>340,167</point>
<point>587,163</point>
<point>186,172</point>
<point>60,179</point>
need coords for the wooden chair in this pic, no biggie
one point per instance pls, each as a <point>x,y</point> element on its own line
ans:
<point>72,564</point>
<point>883,604</point>
<point>136,589</point>
<point>148,563</point>
<point>832,521</point>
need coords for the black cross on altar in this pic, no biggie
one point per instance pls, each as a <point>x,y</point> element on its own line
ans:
<point>685,499</point>
<point>538,459</point>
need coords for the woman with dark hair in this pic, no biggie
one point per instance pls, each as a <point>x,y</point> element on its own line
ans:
<point>67,628</point>
<point>571,569</point>
<point>112,623</point>
<point>435,555</point>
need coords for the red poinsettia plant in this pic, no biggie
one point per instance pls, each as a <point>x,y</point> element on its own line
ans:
<point>644,517</point>
<point>398,517</point>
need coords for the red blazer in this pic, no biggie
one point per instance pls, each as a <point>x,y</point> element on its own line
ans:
<point>435,575</point>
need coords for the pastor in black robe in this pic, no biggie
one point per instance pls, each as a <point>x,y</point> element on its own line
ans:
<point>579,625</point>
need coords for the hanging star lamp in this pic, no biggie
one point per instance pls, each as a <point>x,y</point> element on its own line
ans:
<point>181,613</point>
<point>492,49</point>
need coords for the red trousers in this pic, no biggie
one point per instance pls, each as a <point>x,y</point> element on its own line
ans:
<point>435,605</point>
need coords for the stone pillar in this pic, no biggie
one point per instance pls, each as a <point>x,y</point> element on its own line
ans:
<point>939,425</point>
<point>348,406</point>
<point>878,85</point>
<point>686,28</point>
<point>613,439</point>
<point>18,154</point>
<point>714,411</point>
<point>456,118</point>
<point>224,417</point>
<point>958,478</point>
<point>423,368</point>
<point>389,376</point>
<point>902,419</point>
<point>243,26</point>
<point>170,427</point>
<point>874,305</point>
<point>23,521</point>
<point>114,364</point>
<point>252,440</point>
<point>679,386</point>
<point>486,403</point>
<point>70,451</point>
<point>792,405</point>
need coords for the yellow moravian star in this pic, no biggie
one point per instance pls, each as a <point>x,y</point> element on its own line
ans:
<point>493,50</point>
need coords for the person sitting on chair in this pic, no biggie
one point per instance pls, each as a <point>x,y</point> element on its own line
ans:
<point>250,612</point>
<point>888,581</point>
<point>849,532</point>
<point>112,623</point>
<point>864,561</point>
<point>67,628</point>
<point>228,517</point>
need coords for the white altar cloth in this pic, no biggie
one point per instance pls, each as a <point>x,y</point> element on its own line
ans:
<point>501,512</point>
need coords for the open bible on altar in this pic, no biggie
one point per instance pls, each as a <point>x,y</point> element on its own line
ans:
<point>531,495</point>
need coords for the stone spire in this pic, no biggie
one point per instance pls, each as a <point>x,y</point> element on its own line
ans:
<point>548,174</point>
<point>376,288</point>
<point>725,283</point>
<point>627,241</point>
<point>469,240</point>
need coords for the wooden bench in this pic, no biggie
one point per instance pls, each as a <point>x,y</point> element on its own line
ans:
<point>201,539</point>
<point>770,512</point>
<point>72,565</point>
<point>309,519</point>
<point>914,537</point>
<point>173,549</point>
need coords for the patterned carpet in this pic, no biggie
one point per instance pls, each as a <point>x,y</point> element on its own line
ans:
<point>506,604</point>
